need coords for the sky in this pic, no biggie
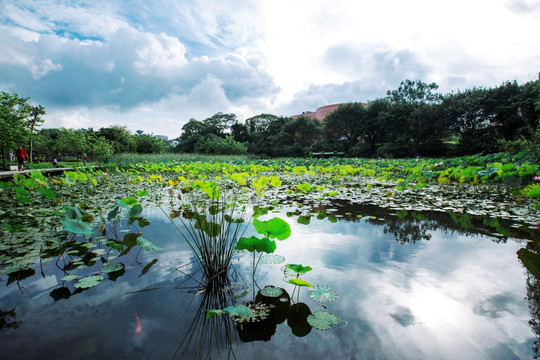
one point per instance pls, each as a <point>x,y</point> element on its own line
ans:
<point>153,65</point>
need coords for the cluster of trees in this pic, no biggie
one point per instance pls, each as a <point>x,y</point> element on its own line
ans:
<point>20,123</point>
<point>98,145</point>
<point>410,121</point>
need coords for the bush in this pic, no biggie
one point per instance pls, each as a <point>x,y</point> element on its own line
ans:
<point>217,145</point>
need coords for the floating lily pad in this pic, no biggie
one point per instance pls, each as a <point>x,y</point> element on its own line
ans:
<point>77,226</point>
<point>89,281</point>
<point>109,268</point>
<point>272,259</point>
<point>322,293</point>
<point>69,277</point>
<point>242,313</point>
<point>322,320</point>
<point>239,295</point>
<point>147,245</point>
<point>271,291</point>
<point>99,252</point>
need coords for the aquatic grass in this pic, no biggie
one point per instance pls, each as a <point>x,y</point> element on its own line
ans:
<point>126,159</point>
<point>211,228</point>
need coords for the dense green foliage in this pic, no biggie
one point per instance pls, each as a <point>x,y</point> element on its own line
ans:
<point>413,120</point>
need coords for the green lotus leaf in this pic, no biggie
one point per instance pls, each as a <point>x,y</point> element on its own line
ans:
<point>211,228</point>
<point>109,268</point>
<point>402,185</point>
<point>130,201</point>
<point>304,220</point>
<point>322,320</point>
<point>77,226</point>
<point>21,190</point>
<point>143,222</point>
<point>239,295</point>
<point>147,245</point>
<point>322,293</point>
<point>142,193</point>
<point>508,167</point>
<point>48,193</point>
<point>247,313</point>
<point>513,180</point>
<point>534,192</point>
<point>299,269</point>
<point>123,204</point>
<point>305,187</point>
<point>212,312</point>
<point>89,281</point>
<point>300,282</point>
<point>69,277</point>
<point>272,259</point>
<point>273,228</point>
<point>112,214</point>
<point>135,210</point>
<point>401,213</point>
<point>275,181</point>
<point>271,291</point>
<point>530,260</point>
<point>114,245</point>
<point>255,244</point>
<point>71,212</point>
<point>99,252</point>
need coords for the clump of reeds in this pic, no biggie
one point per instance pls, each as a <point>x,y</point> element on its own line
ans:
<point>211,228</point>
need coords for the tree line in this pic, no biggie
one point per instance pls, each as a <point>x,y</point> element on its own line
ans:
<point>20,123</point>
<point>412,120</point>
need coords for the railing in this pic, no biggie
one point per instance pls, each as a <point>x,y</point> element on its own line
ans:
<point>327,154</point>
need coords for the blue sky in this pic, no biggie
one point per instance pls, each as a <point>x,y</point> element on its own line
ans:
<point>153,65</point>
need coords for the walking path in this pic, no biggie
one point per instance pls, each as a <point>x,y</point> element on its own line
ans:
<point>9,174</point>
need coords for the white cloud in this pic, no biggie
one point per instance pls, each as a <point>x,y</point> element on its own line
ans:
<point>188,59</point>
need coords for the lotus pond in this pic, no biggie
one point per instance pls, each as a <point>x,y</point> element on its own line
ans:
<point>272,260</point>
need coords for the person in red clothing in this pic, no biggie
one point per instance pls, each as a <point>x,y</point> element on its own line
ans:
<point>21,155</point>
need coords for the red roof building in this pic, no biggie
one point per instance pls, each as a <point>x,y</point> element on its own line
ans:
<point>321,112</point>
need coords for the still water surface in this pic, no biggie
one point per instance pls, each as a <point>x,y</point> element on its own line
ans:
<point>440,293</point>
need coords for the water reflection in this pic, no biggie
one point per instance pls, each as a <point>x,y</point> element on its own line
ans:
<point>411,285</point>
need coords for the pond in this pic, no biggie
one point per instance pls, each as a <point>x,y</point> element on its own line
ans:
<point>408,285</point>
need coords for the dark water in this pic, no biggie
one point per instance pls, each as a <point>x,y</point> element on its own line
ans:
<point>440,288</point>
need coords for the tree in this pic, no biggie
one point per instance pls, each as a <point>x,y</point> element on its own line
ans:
<point>260,128</point>
<point>345,126</point>
<point>121,138</point>
<point>415,92</point>
<point>215,145</point>
<point>219,123</point>
<point>192,131</point>
<point>71,142</point>
<point>35,120</point>
<point>417,128</point>
<point>13,113</point>
<point>97,147</point>
<point>260,123</point>
<point>467,113</point>
<point>150,144</point>
<point>240,132</point>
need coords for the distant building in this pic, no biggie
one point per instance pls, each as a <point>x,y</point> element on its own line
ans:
<point>321,112</point>
<point>162,137</point>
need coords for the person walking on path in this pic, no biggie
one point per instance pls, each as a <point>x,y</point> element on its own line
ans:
<point>21,154</point>
<point>85,160</point>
